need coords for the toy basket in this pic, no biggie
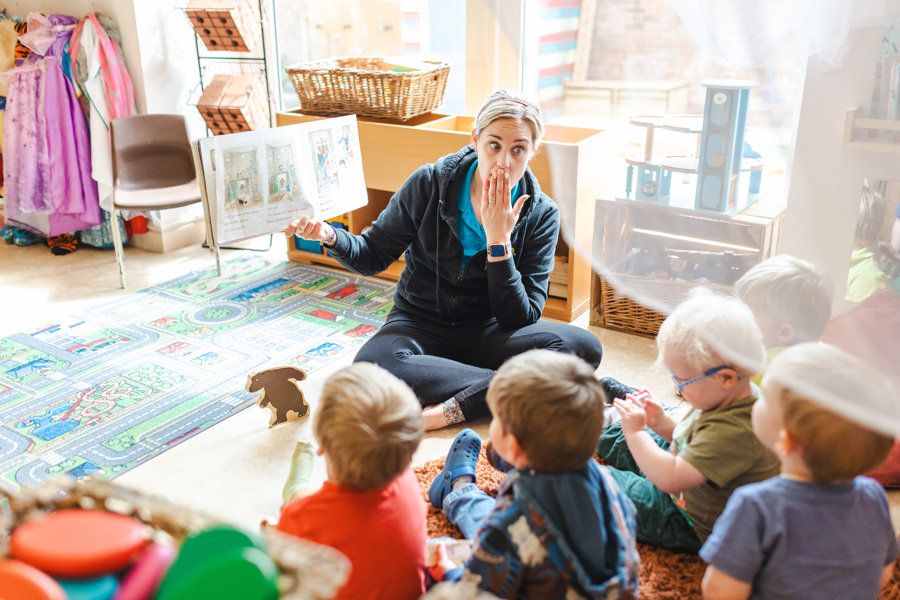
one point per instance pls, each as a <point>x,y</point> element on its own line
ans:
<point>615,310</point>
<point>308,571</point>
<point>367,87</point>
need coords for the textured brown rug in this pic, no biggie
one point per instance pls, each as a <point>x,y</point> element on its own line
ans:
<point>665,575</point>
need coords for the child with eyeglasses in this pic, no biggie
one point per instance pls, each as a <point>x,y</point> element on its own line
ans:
<point>680,472</point>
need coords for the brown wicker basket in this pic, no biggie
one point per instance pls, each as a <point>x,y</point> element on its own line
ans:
<point>367,88</point>
<point>615,310</point>
<point>308,571</point>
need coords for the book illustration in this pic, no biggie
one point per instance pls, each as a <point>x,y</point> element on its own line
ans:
<point>326,160</point>
<point>241,178</point>
<point>258,182</point>
<point>283,183</point>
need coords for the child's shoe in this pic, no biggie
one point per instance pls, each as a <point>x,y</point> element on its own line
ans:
<point>24,237</point>
<point>8,233</point>
<point>460,461</point>
<point>615,389</point>
<point>62,244</point>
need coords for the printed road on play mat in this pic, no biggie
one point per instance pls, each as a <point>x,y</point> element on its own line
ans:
<point>113,386</point>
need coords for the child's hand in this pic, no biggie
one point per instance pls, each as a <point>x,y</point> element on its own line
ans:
<point>442,564</point>
<point>652,408</point>
<point>633,416</point>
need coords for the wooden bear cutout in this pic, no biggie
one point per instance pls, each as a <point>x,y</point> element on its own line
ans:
<point>279,391</point>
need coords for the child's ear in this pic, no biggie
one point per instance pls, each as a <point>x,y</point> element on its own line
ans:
<point>785,444</point>
<point>515,451</point>
<point>729,378</point>
<point>786,334</point>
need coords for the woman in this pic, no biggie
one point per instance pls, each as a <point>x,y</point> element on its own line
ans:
<point>479,237</point>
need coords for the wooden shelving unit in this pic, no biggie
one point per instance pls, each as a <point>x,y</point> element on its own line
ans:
<point>854,122</point>
<point>567,167</point>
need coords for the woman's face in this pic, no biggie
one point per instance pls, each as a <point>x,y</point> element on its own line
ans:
<point>504,144</point>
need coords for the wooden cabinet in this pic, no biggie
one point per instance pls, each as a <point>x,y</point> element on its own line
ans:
<point>567,167</point>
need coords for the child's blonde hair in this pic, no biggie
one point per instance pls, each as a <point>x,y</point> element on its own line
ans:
<point>870,218</point>
<point>828,400</point>
<point>369,424</point>
<point>791,291</point>
<point>553,405</point>
<point>709,330</point>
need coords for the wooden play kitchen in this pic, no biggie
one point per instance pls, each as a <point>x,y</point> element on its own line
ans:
<point>567,167</point>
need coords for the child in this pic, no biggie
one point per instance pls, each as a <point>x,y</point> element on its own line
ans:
<point>819,530</point>
<point>368,425</point>
<point>790,300</point>
<point>865,276</point>
<point>681,479</point>
<point>560,527</point>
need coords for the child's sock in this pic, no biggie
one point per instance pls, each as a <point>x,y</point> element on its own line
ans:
<point>301,469</point>
<point>461,481</point>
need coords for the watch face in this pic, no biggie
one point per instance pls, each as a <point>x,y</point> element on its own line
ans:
<point>497,250</point>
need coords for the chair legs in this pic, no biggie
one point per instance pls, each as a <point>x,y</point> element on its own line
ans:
<point>117,243</point>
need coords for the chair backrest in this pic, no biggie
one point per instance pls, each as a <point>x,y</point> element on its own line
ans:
<point>151,151</point>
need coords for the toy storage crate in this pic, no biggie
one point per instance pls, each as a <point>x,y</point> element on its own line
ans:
<point>225,25</point>
<point>627,233</point>
<point>233,103</point>
<point>368,87</point>
<point>307,571</point>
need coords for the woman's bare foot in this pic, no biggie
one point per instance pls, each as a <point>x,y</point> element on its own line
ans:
<point>434,417</point>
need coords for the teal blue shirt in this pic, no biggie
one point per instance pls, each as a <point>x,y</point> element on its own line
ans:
<point>471,233</point>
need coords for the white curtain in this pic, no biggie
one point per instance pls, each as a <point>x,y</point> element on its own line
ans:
<point>767,33</point>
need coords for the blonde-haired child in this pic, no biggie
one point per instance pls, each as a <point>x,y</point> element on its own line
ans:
<point>559,527</point>
<point>820,530</point>
<point>790,298</point>
<point>368,425</point>
<point>681,472</point>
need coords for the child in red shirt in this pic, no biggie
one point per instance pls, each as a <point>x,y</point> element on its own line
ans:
<point>368,425</point>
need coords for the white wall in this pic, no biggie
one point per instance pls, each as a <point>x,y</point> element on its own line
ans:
<point>825,179</point>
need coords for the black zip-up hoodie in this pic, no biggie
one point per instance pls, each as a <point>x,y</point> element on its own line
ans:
<point>421,219</point>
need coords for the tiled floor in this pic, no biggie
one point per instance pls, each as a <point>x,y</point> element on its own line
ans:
<point>236,469</point>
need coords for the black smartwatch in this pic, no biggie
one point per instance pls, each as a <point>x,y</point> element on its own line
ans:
<point>500,250</point>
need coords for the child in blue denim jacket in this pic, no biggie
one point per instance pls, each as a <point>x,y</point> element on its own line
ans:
<point>560,528</point>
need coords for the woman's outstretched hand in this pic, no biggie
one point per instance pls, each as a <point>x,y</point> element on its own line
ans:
<point>310,229</point>
<point>497,216</point>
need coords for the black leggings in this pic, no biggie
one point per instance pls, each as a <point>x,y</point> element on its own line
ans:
<point>443,361</point>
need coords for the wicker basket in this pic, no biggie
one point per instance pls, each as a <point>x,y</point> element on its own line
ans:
<point>615,310</point>
<point>362,86</point>
<point>308,571</point>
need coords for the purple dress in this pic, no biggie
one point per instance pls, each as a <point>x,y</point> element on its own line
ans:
<point>47,153</point>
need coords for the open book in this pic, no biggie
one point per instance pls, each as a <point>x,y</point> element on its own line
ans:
<point>258,182</point>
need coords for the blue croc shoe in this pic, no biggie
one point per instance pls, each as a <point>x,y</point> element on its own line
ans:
<point>8,233</point>
<point>460,461</point>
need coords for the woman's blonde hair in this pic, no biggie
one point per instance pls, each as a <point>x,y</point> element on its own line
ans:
<point>370,424</point>
<point>870,218</point>
<point>708,330</point>
<point>504,104</point>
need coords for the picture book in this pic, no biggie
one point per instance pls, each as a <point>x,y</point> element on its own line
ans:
<point>257,182</point>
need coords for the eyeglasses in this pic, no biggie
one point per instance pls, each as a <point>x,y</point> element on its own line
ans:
<point>683,384</point>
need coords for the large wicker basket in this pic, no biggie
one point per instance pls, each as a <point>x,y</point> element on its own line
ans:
<point>368,88</point>
<point>308,571</point>
<point>619,311</point>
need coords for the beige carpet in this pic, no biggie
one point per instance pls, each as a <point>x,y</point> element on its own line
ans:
<point>665,575</point>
